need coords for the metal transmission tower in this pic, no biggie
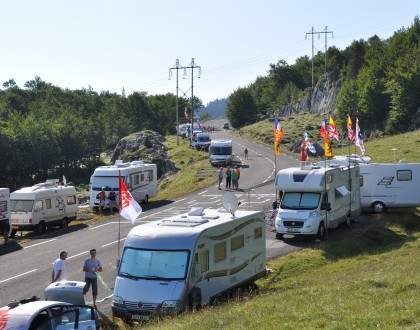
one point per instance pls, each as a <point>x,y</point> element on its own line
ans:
<point>325,32</point>
<point>176,67</point>
<point>312,32</point>
<point>192,67</point>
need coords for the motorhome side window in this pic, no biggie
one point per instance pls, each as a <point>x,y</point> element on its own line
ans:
<point>258,232</point>
<point>220,252</point>
<point>136,179</point>
<point>48,203</point>
<point>142,177</point>
<point>202,260</point>
<point>237,242</point>
<point>3,206</point>
<point>71,200</point>
<point>38,205</point>
<point>330,177</point>
<point>404,175</point>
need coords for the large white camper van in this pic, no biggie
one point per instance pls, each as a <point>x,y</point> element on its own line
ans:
<point>139,177</point>
<point>386,186</point>
<point>220,152</point>
<point>42,205</point>
<point>188,260</point>
<point>317,197</point>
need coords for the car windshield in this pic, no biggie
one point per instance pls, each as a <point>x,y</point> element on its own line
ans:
<point>154,264</point>
<point>203,139</point>
<point>299,201</point>
<point>216,150</point>
<point>21,205</point>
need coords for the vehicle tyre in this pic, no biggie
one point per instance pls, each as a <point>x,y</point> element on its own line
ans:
<point>13,233</point>
<point>64,223</point>
<point>322,232</point>
<point>146,199</point>
<point>41,228</point>
<point>378,207</point>
<point>279,236</point>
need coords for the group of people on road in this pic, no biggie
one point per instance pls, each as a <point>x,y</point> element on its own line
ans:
<point>232,177</point>
<point>112,198</point>
<point>91,267</point>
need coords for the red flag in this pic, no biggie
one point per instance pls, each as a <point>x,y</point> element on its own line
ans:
<point>278,133</point>
<point>303,151</point>
<point>332,130</point>
<point>129,208</point>
<point>186,114</point>
<point>350,131</point>
<point>323,130</point>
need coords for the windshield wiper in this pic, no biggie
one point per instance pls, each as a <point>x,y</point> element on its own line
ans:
<point>129,276</point>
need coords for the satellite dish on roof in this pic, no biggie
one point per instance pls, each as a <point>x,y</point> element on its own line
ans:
<point>229,201</point>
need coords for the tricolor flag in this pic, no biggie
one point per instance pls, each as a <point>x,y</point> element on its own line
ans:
<point>129,208</point>
<point>186,114</point>
<point>350,129</point>
<point>332,130</point>
<point>359,138</point>
<point>278,133</point>
<point>323,130</point>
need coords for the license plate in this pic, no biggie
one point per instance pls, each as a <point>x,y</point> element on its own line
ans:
<point>293,230</point>
<point>15,227</point>
<point>140,317</point>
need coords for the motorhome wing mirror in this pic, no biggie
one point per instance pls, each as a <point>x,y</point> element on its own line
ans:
<point>118,262</point>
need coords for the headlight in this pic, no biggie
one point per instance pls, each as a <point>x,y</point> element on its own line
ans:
<point>170,304</point>
<point>313,214</point>
<point>117,300</point>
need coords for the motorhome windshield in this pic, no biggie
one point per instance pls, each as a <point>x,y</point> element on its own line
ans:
<point>105,181</point>
<point>154,264</point>
<point>299,201</point>
<point>216,150</point>
<point>21,205</point>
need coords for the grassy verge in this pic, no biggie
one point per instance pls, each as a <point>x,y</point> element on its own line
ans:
<point>368,280</point>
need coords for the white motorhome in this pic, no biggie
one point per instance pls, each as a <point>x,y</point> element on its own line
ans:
<point>4,205</point>
<point>43,205</point>
<point>139,177</point>
<point>220,152</point>
<point>386,186</point>
<point>200,141</point>
<point>317,197</point>
<point>188,260</point>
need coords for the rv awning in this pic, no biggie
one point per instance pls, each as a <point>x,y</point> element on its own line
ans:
<point>342,190</point>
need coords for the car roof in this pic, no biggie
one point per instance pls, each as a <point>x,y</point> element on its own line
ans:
<point>32,307</point>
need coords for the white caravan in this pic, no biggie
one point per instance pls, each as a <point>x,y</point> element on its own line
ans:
<point>139,177</point>
<point>220,152</point>
<point>317,197</point>
<point>43,205</point>
<point>188,261</point>
<point>386,186</point>
<point>4,205</point>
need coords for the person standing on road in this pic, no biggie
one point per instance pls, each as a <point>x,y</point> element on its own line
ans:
<point>234,179</point>
<point>102,197</point>
<point>220,176</point>
<point>246,153</point>
<point>112,196</point>
<point>59,271</point>
<point>228,178</point>
<point>91,266</point>
<point>238,175</point>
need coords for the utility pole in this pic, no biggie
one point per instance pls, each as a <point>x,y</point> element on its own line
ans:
<point>312,32</point>
<point>192,67</point>
<point>176,67</point>
<point>325,32</point>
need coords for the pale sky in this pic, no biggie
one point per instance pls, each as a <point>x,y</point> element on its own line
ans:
<point>132,44</point>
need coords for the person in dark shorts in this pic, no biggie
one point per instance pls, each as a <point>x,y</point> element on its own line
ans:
<point>90,267</point>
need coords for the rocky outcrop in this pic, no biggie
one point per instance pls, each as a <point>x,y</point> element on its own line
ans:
<point>320,99</point>
<point>146,146</point>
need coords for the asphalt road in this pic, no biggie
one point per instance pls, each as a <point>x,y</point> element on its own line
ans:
<point>26,265</point>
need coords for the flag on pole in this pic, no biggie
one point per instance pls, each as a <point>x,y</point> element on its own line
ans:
<point>332,130</point>
<point>278,133</point>
<point>325,136</point>
<point>129,208</point>
<point>323,130</point>
<point>186,114</point>
<point>198,123</point>
<point>309,143</point>
<point>359,138</point>
<point>303,151</point>
<point>350,129</point>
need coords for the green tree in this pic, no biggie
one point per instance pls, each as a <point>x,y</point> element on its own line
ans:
<point>241,109</point>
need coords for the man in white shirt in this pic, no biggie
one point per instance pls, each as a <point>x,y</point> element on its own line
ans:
<point>59,269</point>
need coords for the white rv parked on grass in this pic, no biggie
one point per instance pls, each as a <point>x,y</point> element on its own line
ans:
<point>220,152</point>
<point>317,197</point>
<point>139,177</point>
<point>4,205</point>
<point>42,205</point>
<point>386,186</point>
<point>188,260</point>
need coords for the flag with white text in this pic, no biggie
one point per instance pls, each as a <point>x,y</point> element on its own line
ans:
<point>129,208</point>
